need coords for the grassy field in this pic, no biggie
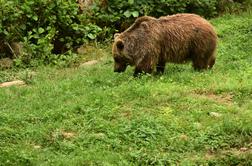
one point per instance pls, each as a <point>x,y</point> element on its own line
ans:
<point>92,116</point>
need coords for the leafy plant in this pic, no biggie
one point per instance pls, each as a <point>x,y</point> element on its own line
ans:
<point>45,27</point>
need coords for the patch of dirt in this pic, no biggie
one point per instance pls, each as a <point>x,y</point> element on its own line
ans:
<point>225,98</point>
<point>235,152</point>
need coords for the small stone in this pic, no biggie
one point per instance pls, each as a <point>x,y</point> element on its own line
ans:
<point>215,114</point>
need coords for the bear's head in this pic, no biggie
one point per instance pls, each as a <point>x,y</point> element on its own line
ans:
<point>121,53</point>
<point>128,46</point>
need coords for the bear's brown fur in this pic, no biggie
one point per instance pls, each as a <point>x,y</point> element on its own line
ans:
<point>152,42</point>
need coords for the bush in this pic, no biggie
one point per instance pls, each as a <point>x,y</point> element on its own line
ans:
<point>45,27</point>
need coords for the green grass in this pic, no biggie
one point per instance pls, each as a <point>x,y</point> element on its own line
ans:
<point>92,116</point>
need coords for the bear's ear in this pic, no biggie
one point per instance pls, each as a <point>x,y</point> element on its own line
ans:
<point>144,25</point>
<point>120,45</point>
<point>116,35</point>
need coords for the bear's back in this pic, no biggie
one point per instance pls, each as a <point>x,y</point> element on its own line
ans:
<point>186,23</point>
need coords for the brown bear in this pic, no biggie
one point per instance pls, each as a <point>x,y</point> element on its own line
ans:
<point>150,42</point>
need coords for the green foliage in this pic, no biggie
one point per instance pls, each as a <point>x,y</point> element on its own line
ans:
<point>45,27</point>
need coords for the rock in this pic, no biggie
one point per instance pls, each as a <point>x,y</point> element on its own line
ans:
<point>89,63</point>
<point>12,83</point>
<point>215,114</point>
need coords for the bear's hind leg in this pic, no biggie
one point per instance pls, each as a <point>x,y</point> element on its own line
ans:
<point>145,66</point>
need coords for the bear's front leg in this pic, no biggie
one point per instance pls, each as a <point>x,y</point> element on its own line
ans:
<point>145,66</point>
<point>160,67</point>
<point>119,67</point>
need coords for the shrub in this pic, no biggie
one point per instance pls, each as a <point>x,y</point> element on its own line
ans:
<point>45,27</point>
